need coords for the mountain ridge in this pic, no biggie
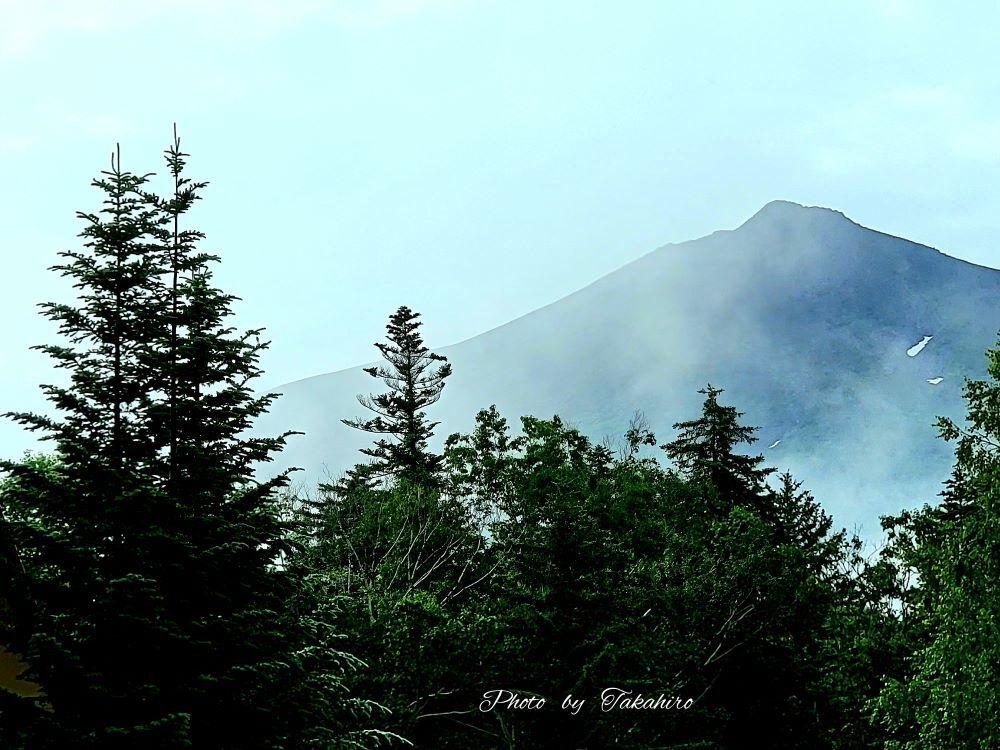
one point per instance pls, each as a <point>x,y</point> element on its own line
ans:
<point>804,316</point>
<point>768,209</point>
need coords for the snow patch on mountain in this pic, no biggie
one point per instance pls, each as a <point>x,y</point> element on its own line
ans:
<point>914,350</point>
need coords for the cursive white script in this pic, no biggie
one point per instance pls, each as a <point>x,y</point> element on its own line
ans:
<point>616,698</point>
<point>509,699</point>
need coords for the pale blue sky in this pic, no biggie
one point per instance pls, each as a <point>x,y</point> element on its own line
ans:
<point>478,159</point>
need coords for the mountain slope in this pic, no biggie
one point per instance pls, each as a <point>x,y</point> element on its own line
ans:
<point>803,316</point>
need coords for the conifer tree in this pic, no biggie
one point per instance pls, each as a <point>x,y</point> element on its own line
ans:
<point>705,451</point>
<point>94,517</point>
<point>800,522</point>
<point>160,619</point>
<point>414,383</point>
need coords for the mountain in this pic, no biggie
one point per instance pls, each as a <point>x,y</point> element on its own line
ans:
<point>842,344</point>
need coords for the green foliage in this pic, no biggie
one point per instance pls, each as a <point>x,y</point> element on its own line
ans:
<point>414,384</point>
<point>947,558</point>
<point>153,594</point>
<point>704,450</point>
<point>146,597</point>
<point>480,468</point>
<point>404,562</point>
<point>592,571</point>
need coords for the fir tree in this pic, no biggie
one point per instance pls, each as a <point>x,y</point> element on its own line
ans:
<point>800,522</point>
<point>83,529</point>
<point>414,383</point>
<point>159,616</point>
<point>704,450</point>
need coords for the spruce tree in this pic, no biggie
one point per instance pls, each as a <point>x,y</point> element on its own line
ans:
<point>704,450</point>
<point>95,518</point>
<point>160,618</point>
<point>800,522</point>
<point>414,383</point>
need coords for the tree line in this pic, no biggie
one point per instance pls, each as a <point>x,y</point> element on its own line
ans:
<point>519,588</point>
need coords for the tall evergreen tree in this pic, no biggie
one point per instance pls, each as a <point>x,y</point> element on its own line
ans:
<point>801,523</point>
<point>159,617</point>
<point>793,592</point>
<point>704,450</point>
<point>414,383</point>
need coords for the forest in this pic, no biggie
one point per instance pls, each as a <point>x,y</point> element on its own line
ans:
<point>524,587</point>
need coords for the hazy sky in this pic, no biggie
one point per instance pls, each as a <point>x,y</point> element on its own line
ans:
<point>478,159</point>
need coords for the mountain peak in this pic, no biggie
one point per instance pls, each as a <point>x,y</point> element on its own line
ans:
<point>787,211</point>
<point>830,337</point>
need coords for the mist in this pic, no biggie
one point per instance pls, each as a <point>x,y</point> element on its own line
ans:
<point>803,317</point>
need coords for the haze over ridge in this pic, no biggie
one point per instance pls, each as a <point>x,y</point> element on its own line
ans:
<point>802,315</point>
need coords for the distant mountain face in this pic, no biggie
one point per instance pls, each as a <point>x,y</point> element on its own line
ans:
<point>811,323</point>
